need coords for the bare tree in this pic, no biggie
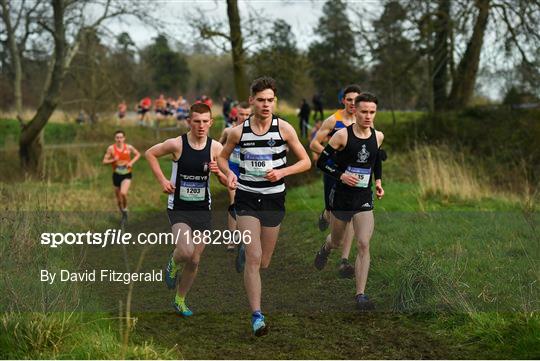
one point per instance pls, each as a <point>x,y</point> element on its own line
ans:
<point>64,22</point>
<point>453,32</point>
<point>232,40</point>
<point>17,33</point>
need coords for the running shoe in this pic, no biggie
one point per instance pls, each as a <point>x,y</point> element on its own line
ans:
<point>240,257</point>
<point>181,309</point>
<point>171,272</point>
<point>321,257</point>
<point>346,270</point>
<point>363,303</point>
<point>323,223</point>
<point>257,323</point>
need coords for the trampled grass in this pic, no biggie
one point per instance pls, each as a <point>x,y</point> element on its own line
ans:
<point>452,277</point>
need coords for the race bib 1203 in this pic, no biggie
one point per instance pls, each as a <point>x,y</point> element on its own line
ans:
<point>192,191</point>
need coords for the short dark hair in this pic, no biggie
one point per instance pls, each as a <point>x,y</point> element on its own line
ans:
<point>243,105</point>
<point>366,97</point>
<point>263,83</point>
<point>120,131</point>
<point>200,108</point>
<point>352,88</point>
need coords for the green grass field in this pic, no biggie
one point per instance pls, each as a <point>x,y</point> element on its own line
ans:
<point>451,277</point>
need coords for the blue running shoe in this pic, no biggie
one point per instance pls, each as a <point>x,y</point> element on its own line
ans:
<point>181,309</point>
<point>257,323</point>
<point>170,273</point>
<point>240,257</point>
<point>363,303</point>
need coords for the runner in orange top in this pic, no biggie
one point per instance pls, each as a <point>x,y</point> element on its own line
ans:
<point>160,108</point>
<point>122,109</point>
<point>119,156</point>
<point>143,109</point>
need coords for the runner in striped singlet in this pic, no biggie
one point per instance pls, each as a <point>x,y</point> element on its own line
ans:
<point>264,140</point>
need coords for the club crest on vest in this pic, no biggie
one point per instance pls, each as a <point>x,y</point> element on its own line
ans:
<point>271,142</point>
<point>363,155</point>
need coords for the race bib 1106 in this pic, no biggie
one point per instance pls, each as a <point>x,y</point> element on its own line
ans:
<point>257,164</point>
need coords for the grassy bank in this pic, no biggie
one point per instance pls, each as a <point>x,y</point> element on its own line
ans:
<point>454,271</point>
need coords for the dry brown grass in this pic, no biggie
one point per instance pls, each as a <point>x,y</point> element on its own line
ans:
<point>444,172</point>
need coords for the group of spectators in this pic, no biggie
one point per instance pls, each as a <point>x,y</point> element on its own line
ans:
<point>163,108</point>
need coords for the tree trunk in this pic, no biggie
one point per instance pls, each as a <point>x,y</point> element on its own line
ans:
<point>15,59</point>
<point>441,55</point>
<point>463,83</point>
<point>30,144</point>
<point>237,47</point>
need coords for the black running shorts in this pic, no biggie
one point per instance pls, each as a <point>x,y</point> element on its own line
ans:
<point>345,204</point>
<point>196,220</point>
<point>268,209</point>
<point>118,178</point>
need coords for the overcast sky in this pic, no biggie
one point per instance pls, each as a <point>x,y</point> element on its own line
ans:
<point>302,15</point>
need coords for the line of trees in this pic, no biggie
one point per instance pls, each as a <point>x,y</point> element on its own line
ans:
<point>418,54</point>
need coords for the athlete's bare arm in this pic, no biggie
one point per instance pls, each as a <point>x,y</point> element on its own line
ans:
<point>233,138</point>
<point>303,164</point>
<point>136,157</point>
<point>215,150</point>
<point>339,139</point>
<point>327,126</point>
<point>170,146</point>
<point>223,137</point>
<point>109,156</point>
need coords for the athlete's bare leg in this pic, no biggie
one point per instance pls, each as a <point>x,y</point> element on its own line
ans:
<point>252,277</point>
<point>188,254</point>
<point>347,241</point>
<point>119,200</point>
<point>269,237</point>
<point>124,188</point>
<point>336,236</point>
<point>363,223</point>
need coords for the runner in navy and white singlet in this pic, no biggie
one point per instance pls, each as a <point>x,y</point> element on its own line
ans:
<point>264,140</point>
<point>188,206</point>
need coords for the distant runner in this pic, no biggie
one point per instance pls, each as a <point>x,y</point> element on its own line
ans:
<point>119,155</point>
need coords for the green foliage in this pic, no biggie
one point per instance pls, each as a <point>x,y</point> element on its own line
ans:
<point>335,62</point>
<point>398,74</point>
<point>281,60</point>
<point>506,140</point>
<point>71,336</point>
<point>169,68</point>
